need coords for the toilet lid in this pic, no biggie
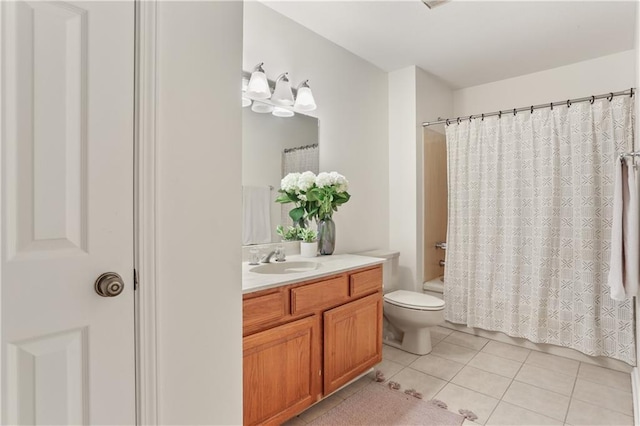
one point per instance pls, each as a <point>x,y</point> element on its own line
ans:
<point>414,300</point>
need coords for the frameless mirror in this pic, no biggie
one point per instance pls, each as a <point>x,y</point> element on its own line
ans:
<point>272,146</point>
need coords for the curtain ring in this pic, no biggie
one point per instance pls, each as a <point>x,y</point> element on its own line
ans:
<point>631,92</point>
<point>610,97</point>
<point>458,120</point>
<point>593,99</point>
<point>499,114</point>
<point>531,109</point>
<point>447,121</point>
<point>514,112</point>
<point>568,103</point>
<point>551,105</point>
<point>482,117</point>
<point>470,117</point>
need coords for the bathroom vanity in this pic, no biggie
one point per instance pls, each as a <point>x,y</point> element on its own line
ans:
<point>307,332</point>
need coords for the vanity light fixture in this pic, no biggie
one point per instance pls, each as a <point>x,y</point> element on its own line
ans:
<point>282,112</point>
<point>258,87</point>
<point>282,95</point>
<point>304,98</point>
<point>262,108</point>
<point>285,99</point>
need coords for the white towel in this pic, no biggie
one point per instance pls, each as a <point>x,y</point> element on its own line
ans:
<point>256,215</point>
<point>631,230</point>
<point>625,242</point>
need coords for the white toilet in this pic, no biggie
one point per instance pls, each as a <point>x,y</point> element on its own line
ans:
<point>408,314</point>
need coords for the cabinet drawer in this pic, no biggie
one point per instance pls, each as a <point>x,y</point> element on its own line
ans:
<point>365,281</point>
<point>264,309</point>
<point>320,295</point>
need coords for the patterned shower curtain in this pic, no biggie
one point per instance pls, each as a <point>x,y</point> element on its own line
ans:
<point>530,208</point>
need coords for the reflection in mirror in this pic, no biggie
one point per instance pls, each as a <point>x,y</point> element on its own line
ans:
<point>272,146</point>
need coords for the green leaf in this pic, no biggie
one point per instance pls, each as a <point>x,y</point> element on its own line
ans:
<point>297,214</point>
<point>313,194</point>
<point>283,199</point>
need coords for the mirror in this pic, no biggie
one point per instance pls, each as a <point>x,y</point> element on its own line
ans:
<point>271,148</point>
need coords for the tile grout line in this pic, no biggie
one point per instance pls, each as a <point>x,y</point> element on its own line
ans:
<point>572,391</point>
<point>489,353</point>
<point>505,392</point>
<point>537,387</point>
<point>512,379</point>
<point>595,364</point>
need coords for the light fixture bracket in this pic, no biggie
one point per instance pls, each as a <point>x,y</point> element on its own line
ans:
<point>434,3</point>
<point>272,84</point>
<point>284,77</point>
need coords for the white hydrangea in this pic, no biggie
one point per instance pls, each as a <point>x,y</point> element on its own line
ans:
<point>305,181</point>
<point>341,183</point>
<point>289,183</point>
<point>323,179</point>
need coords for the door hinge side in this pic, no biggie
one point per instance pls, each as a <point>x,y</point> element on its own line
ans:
<point>135,280</point>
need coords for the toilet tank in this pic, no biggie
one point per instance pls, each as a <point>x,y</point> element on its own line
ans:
<point>390,279</point>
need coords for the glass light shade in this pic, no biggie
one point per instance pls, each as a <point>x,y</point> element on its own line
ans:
<point>282,95</point>
<point>261,108</point>
<point>258,87</point>
<point>304,100</point>
<point>282,112</point>
<point>245,101</point>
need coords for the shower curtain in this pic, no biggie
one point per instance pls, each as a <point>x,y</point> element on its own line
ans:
<point>530,208</point>
<point>298,160</point>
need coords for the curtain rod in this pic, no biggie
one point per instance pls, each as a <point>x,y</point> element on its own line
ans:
<point>299,148</point>
<point>610,96</point>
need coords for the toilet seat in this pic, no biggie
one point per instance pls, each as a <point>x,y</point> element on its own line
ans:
<point>414,300</point>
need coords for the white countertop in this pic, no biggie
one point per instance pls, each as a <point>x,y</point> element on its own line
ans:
<point>327,265</point>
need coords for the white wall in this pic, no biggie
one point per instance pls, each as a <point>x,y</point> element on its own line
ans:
<point>414,96</point>
<point>597,76</point>
<point>402,173</point>
<point>352,107</point>
<point>198,212</point>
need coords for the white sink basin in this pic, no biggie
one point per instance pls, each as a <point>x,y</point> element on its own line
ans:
<point>285,267</point>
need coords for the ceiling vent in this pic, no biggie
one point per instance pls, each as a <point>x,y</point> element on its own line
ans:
<point>434,3</point>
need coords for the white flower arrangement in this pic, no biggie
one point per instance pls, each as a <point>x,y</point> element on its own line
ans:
<point>315,196</point>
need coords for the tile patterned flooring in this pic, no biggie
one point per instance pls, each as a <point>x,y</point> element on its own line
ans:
<point>502,384</point>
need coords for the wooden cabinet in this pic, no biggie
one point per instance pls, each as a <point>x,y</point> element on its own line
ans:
<point>352,340</point>
<point>305,340</point>
<point>280,370</point>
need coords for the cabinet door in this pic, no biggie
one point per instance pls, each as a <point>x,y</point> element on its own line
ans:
<point>352,340</point>
<point>281,371</point>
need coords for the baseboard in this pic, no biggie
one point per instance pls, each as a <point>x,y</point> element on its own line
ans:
<point>635,383</point>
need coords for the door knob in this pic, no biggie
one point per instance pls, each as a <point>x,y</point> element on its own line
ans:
<point>109,284</point>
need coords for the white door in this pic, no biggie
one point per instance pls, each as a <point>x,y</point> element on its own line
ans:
<point>67,212</point>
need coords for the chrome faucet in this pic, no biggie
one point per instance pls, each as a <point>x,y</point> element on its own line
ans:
<point>267,257</point>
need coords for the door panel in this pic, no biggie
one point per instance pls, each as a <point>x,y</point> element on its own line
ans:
<point>280,367</point>
<point>67,211</point>
<point>352,340</point>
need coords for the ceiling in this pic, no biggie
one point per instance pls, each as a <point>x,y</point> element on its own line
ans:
<point>467,43</point>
